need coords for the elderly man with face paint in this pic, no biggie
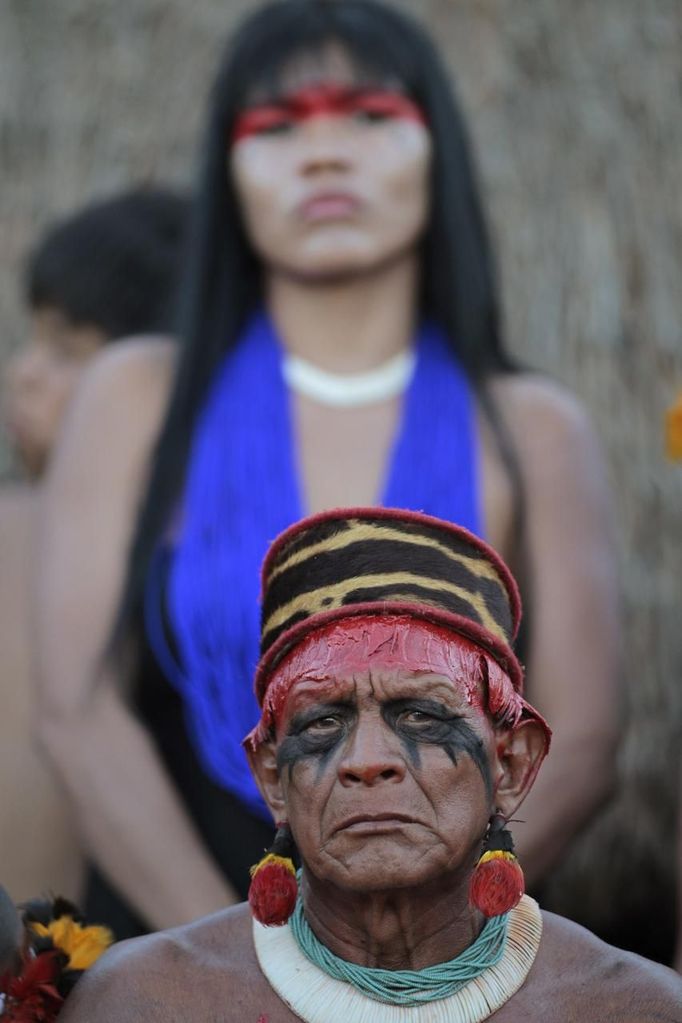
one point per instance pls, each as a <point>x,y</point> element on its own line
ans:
<point>393,747</point>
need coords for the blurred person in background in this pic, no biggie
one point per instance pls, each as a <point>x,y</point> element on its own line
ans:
<point>340,345</point>
<point>104,272</point>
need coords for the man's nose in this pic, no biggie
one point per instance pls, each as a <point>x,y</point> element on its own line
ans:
<point>372,756</point>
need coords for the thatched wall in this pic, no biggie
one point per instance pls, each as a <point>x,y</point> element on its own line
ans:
<point>575,113</point>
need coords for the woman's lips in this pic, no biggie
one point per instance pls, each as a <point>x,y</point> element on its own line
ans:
<point>329,206</point>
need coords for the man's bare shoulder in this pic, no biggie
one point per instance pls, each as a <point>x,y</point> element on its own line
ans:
<point>203,971</point>
<point>577,977</point>
<point>208,971</point>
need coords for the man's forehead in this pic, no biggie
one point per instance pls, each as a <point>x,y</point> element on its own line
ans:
<point>422,651</point>
<point>389,657</point>
<point>376,683</point>
<point>349,647</point>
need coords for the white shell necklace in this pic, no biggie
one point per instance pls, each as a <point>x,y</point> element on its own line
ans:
<point>315,997</point>
<point>349,390</point>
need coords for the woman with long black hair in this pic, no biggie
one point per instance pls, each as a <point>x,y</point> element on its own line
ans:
<point>339,345</point>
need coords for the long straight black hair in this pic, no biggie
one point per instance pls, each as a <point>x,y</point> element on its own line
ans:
<point>223,280</point>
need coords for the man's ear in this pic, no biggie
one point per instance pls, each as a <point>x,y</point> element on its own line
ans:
<point>520,751</point>
<point>263,763</point>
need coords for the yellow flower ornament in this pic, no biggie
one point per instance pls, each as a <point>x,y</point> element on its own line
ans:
<point>83,945</point>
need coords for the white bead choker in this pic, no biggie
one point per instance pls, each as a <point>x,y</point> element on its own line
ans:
<point>349,390</point>
<point>315,997</point>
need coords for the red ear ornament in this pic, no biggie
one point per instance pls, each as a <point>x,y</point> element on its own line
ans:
<point>497,883</point>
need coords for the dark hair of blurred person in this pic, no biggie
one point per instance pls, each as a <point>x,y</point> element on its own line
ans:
<point>108,271</point>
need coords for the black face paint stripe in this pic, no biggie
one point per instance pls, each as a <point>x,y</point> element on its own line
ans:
<point>441,728</point>
<point>451,732</point>
<point>300,744</point>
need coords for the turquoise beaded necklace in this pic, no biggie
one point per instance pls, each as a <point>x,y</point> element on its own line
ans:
<point>406,987</point>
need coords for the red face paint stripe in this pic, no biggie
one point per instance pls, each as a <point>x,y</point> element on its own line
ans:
<point>390,104</point>
<point>325,100</point>
<point>259,119</point>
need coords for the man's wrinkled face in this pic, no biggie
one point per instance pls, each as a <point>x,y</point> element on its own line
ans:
<point>388,775</point>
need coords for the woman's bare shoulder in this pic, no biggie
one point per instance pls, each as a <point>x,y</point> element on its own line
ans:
<point>531,399</point>
<point>118,407</point>
<point>596,981</point>
<point>130,369</point>
<point>553,435</point>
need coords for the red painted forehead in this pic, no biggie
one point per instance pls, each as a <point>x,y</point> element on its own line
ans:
<point>324,99</point>
<point>350,646</point>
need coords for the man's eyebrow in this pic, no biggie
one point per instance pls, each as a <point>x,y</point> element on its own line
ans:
<point>418,688</point>
<point>424,703</point>
<point>311,688</point>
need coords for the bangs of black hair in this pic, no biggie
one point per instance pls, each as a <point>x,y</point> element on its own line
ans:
<point>371,37</point>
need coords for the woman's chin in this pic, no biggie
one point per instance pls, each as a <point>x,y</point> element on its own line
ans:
<point>327,263</point>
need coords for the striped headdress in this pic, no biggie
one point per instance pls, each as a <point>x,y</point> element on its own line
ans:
<point>385,561</point>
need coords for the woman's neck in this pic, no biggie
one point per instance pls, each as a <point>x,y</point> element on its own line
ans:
<point>346,326</point>
<point>394,930</point>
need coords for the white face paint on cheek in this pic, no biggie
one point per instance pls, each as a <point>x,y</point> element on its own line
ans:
<point>252,177</point>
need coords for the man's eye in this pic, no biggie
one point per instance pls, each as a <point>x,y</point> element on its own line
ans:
<point>323,724</point>
<point>415,717</point>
